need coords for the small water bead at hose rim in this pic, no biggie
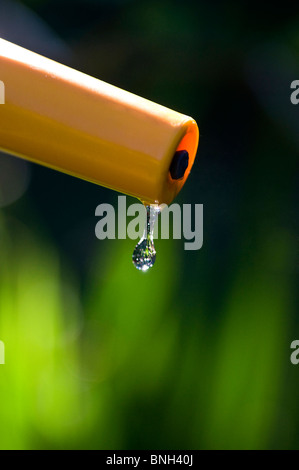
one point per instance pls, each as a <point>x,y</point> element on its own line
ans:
<point>144,255</point>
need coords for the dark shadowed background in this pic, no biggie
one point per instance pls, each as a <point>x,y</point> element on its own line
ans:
<point>196,352</point>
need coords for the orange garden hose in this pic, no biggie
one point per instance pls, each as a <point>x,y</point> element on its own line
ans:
<point>61,118</point>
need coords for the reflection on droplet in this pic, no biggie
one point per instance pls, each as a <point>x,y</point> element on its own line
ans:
<point>144,255</point>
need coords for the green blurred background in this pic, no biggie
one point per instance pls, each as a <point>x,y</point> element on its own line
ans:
<point>194,354</point>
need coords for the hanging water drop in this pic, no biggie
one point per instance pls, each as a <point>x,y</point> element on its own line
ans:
<point>144,255</point>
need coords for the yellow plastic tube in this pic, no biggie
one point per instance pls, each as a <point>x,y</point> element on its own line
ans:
<point>66,120</point>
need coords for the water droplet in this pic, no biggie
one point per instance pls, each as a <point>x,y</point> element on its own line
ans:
<point>144,255</point>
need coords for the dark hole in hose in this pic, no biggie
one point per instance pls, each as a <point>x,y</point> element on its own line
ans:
<point>179,164</point>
